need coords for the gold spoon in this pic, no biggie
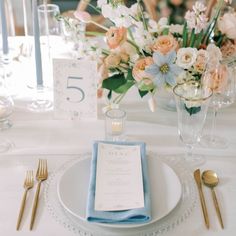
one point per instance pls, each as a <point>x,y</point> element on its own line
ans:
<point>210,179</point>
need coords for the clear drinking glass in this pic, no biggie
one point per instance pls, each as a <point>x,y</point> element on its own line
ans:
<point>50,30</point>
<point>48,23</point>
<point>221,79</point>
<point>192,102</point>
<point>115,125</point>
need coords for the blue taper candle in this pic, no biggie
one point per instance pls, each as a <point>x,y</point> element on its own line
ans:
<point>38,59</point>
<point>5,48</point>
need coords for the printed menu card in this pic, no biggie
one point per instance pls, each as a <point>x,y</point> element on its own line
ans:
<point>119,180</point>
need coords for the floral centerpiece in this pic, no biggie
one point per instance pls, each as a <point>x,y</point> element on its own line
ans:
<point>152,55</point>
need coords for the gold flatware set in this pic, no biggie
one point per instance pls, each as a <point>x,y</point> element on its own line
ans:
<point>210,179</point>
<point>41,175</point>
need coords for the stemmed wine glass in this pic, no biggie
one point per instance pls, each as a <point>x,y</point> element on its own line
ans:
<point>221,79</point>
<point>192,102</point>
<point>6,107</point>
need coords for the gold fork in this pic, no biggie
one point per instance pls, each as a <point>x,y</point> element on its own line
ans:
<point>41,175</point>
<point>28,184</point>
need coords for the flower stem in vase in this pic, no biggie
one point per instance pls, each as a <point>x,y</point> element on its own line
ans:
<point>212,140</point>
<point>213,125</point>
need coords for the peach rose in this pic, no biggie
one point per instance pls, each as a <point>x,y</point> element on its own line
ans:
<point>99,93</point>
<point>139,68</point>
<point>116,37</point>
<point>228,49</point>
<point>201,61</point>
<point>112,60</point>
<point>103,71</point>
<point>124,57</point>
<point>216,79</point>
<point>165,44</point>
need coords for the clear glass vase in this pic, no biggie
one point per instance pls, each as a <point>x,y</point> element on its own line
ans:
<point>166,99</point>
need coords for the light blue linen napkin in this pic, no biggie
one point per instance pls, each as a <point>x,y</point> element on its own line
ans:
<point>139,215</point>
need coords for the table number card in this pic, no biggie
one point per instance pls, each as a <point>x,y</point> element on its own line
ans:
<point>119,180</point>
<point>75,89</point>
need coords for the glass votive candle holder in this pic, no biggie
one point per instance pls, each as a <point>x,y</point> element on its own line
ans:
<point>115,125</point>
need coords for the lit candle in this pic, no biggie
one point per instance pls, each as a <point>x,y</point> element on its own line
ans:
<point>38,60</point>
<point>116,127</point>
<point>4,27</point>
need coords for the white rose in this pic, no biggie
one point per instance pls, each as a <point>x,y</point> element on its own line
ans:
<point>227,25</point>
<point>186,57</point>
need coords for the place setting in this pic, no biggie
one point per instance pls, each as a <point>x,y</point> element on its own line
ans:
<point>92,194</point>
<point>116,96</point>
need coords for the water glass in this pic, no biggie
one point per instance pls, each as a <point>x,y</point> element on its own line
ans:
<point>115,125</point>
<point>48,23</point>
<point>192,101</point>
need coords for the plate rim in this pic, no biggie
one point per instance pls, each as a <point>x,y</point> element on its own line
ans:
<point>113,225</point>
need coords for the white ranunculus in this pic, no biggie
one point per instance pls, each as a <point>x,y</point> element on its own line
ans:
<point>227,25</point>
<point>100,3</point>
<point>163,22</point>
<point>134,9</point>
<point>158,26</point>
<point>176,29</point>
<point>143,38</point>
<point>183,77</point>
<point>153,26</point>
<point>107,11</point>
<point>186,57</point>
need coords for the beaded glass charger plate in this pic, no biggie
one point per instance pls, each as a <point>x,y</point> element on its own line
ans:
<point>180,209</point>
<point>165,189</point>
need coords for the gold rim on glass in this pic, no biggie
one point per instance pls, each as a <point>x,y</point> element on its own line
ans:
<point>192,99</point>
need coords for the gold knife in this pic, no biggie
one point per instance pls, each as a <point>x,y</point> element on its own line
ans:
<point>197,177</point>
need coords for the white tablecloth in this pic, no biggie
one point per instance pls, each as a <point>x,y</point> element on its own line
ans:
<point>35,135</point>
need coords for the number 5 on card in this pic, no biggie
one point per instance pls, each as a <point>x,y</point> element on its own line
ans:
<point>75,89</point>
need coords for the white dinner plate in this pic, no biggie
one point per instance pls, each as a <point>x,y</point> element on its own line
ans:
<point>165,188</point>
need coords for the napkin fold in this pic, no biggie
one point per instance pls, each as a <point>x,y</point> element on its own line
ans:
<point>139,215</point>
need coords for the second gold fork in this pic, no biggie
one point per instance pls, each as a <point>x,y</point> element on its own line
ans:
<point>41,175</point>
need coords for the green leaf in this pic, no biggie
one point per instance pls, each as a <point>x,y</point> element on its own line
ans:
<point>192,38</point>
<point>199,39</point>
<point>185,35</point>
<point>192,110</point>
<point>130,75</point>
<point>125,87</point>
<point>114,82</point>
<point>142,93</point>
<point>165,31</point>
<point>109,95</point>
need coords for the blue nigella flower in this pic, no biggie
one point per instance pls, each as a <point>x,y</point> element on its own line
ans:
<point>164,70</point>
